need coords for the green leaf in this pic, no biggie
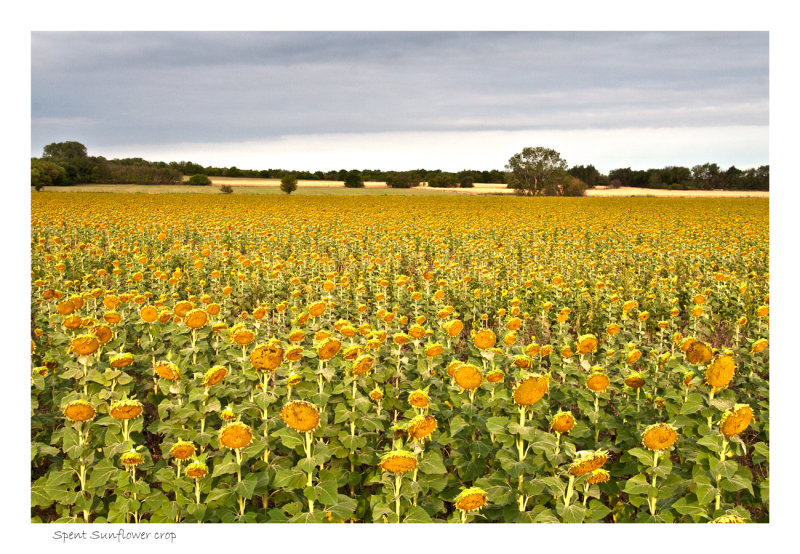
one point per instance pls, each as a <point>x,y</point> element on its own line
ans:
<point>247,486</point>
<point>327,492</point>
<point>694,403</point>
<point>432,464</point>
<point>743,479</point>
<point>687,507</point>
<point>637,485</point>
<point>101,474</point>
<point>344,508</point>
<point>574,513</point>
<point>726,468</point>
<point>644,456</point>
<point>417,514</point>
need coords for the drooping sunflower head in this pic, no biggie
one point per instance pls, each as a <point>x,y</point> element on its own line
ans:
<point>759,346</point>
<point>659,436</point>
<point>398,461</point>
<point>363,364</point>
<point>268,356</point>
<point>242,335</point>
<point>235,435</point>
<point>635,380</point>
<point>197,318</point>
<point>328,348</point>
<point>530,389</point>
<point>317,308</point>
<point>79,410</point>
<point>599,476</point>
<point>735,420</point>
<point>587,344</point>
<point>698,353</point>
<point>125,408</point>
<point>83,345</point>
<point>633,356</point>
<point>300,415</point>
<point>167,370</point>
<point>421,426</point>
<point>131,458</point>
<point>728,518</point>
<point>485,338</point>
<point>453,366</point>
<point>719,372</point>
<point>197,469</point>
<point>471,499</point>
<point>433,349</point>
<point>214,376</point>
<point>562,422</point>
<point>597,381</point>
<point>468,377</point>
<point>376,394</point>
<point>495,376</point>
<point>586,462</point>
<point>454,328</point>
<point>419,399</point>
<point>182,450</point>
<point>227,414</point>
<point>121,360</point>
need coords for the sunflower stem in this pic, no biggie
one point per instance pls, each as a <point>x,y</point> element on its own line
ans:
<point>651,501</point>
<point>718,499</point>
<point>570,488</point>
<point>397,482</point>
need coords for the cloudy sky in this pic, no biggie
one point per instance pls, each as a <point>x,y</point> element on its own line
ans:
<point>404,100</point>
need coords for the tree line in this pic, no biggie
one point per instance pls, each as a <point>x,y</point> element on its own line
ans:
<point>68,163</point>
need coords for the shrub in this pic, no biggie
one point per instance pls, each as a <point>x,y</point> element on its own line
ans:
<point>199,179</point>
<point>226,189</point>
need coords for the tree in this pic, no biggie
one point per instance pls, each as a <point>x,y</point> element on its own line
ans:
<point>442,180</point>
<point>289,183</point>
<point>199,179</point>
<point>402,180</point>
<point>69,150</point>
<point>226,189</point>
<point>535,170</point>
<point>46,174</point>
<point>588,174</point>
<point>707,176</point>
<point>354,180</point>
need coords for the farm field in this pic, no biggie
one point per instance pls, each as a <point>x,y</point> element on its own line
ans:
<point>413,358</point>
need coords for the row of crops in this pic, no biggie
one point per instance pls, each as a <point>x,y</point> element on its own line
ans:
<point>327,359</point>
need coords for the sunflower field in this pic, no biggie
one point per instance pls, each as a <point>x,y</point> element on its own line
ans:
<point>199,358</point>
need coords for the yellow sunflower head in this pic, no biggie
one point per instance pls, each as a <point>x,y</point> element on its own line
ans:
<point>182,450</point>
<point>197,469</point>
<point>659,436</point>
<point>586,462</point>
<point>300,415</point>
<point>328,348</point>
<point>485,338</point>
<point>268,356</point>
<point>698,353</point>
<point>530,389</point>
<point>587,344</point>
<point>421,426</point>
<point>363,364</point>
<point>735,420</point>
<point>398,461</point>
<point>79,410</point>
<point>471,499</point>
<point>468,377</point>
<point>419,399</point>
<point>562,422</point>
<point>719,372</point>
<point>214,375</point>
<point>83,345</point>
<point>125,408</point>
<point>131,458</point>
<point>599,476</point>
<point>235,435</point>
<point>167,370</point>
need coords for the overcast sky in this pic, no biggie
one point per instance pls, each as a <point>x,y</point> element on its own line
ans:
<point>405,100</point>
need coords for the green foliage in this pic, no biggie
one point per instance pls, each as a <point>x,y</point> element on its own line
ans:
<point>199,179</point>
<point>289,183</point>
<point>45,173</point>
<point>226,189</point>
<point>536,171</point>
<point>354,179</point>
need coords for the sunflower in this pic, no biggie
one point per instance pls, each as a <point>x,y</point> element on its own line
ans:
<point>300,415</point>
<point>73,322</point>
<point>125,409</point>
<point>587,344</point>
<point>235,435</point>
<point>728,518</point>
<point>267,357</point>
<point>468,377</point>
<point>659,436</point>
<point>523,361</point>
<point>612,329</point>
<point>495,376</point>
<point>112,317</point>
<point>79,410</point>
<point>759,345</point>
<point>453,366</point>
<point>317,308</point>
<point>197,470</point>
<point>433,349</point>
<point>214,376</point>
<point>401,339</point>
<point>562,422</point>
<point>635,380</point>
<point>530,389</point>
<point>227,414</point>
<point>720,372</point>
<point>735,420</point>
<point>398,461</point>
<point>182,308</point>
<point>121,360</point>
<point>453,328</point>
<point>599,476</point>
<point>328,348</point>
<point>587,462</point>
<point>195,319</point>
<point>485,338</point>
<point>633,356</point>
<point>362,364</point>
<point>182,450</point>
<point>545,351</point>
<point>698,353</point>
<point>598,381</point>
<point>532,349</point>
<point>241,335</point>
<point>419,399</point>
<point>131,458</point>
<point>376,394</point>
<point>421,426</point>
<point>83,345</point>
<point>167,370</point>
<point>471,499</point>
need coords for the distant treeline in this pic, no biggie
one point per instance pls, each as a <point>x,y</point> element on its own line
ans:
<point>68,163</point>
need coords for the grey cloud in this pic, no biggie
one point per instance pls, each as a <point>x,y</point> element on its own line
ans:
<point>148,88</point>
